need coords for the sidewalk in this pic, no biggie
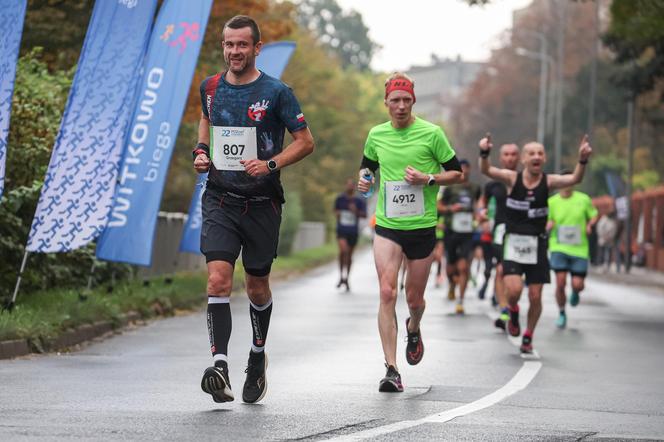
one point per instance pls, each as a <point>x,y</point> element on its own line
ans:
<point>638,276</point>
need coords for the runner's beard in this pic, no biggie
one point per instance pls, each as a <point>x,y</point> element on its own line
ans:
<point>244,66</point>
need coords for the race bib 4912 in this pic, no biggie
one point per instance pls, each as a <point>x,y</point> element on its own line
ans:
<point>403,199</point>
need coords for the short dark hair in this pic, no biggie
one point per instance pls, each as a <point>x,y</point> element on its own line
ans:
<point>243,21</point>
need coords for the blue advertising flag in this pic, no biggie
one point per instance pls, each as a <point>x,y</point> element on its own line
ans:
<point>191,235</point>
<point>272,60</point>
<point>12,15</point>
<point>174,46</point>
<point>77,195</point>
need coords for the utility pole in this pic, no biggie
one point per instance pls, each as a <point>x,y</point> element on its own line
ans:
<point>541,110</point>
<point>630,172</point>
<point>562,14</point>
<point>593,73</point>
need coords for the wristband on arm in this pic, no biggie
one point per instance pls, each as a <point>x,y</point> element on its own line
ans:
<point>201,148</point>
<point>484,153</point>
<point>369,164</point>
<point>452,164</point>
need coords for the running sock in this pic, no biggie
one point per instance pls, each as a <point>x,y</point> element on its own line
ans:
<point>528,334</point>
<point>562,312</point>
<point>219,324</point>
<point>260,322</point>
<point>514,313</point>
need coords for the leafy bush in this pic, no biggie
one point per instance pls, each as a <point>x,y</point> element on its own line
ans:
<point>290,222</point>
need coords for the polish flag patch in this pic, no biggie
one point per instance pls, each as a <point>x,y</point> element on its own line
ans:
<point>300,117</point>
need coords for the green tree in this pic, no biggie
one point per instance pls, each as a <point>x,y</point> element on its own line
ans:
<point>343,33</point>
<point>58,26</point>
<point>636,36</point>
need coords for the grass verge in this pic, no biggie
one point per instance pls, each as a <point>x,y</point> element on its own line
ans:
<point>41,317</point>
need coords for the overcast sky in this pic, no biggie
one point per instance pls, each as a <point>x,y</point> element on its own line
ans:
<point>411,30</point>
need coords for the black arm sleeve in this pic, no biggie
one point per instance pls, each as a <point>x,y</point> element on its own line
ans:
<point>370,164</point>
<point>452,164</point>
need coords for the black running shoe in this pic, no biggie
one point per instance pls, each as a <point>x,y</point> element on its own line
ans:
<point>414,346</point>
<point>215,383</point>
<point>391,383</point>
<point>255,386</point>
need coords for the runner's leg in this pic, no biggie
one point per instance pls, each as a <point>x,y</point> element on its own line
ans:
<point>561,297</point>
<point>219,321</point>
<point>219,286</point>
<point>499,286</point>
<point>463,269</point>
<point>416,281</point>
<point>513,288</point>
<point>349,260</point>
<point>387,256</point>
<point>343,247</point>
<point>535,309</point>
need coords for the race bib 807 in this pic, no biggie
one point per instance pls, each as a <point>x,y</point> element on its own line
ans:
<point>230,145</point>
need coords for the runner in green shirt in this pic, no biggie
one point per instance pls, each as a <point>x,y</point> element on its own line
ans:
<point>571,218</point>
<point>409,152</point>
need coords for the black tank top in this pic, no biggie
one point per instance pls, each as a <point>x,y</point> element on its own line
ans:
<point>526,209</point>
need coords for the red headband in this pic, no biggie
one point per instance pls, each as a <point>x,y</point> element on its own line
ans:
<point>400,84</point>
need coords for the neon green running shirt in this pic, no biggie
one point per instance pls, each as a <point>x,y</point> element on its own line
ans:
<point>570,217</point>
<point>422,145</point>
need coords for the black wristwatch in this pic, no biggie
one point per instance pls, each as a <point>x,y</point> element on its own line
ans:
<point>432,180</point>
<point>271,165</point>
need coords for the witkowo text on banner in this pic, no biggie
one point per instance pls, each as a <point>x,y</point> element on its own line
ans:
<point>170,62</point>
<point>77,195</point>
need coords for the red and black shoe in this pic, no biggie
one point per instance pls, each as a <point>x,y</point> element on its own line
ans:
<point>513,327</point>
<point>391,383</point>
<point>414,346</point>
<point>526,344</point>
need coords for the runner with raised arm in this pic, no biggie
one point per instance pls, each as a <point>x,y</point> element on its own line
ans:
<point>525,244</point>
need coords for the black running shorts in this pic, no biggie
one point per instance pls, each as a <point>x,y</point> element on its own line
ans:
<point>232,224</point>
<point>535,273</point>
<point>458,246</point>
<point>416,244</point>
<point>351,238</point>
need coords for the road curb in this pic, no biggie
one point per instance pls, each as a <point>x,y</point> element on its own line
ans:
<point>69,338</point>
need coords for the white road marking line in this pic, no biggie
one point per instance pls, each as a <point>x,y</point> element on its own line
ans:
<point>521,379</point>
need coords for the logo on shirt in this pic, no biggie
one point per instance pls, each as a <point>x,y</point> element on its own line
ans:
<point>258,110</point>
<point>208,102</point>
<point>300,117</point>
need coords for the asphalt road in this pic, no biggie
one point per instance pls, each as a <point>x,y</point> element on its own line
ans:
<point>601,378</point>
